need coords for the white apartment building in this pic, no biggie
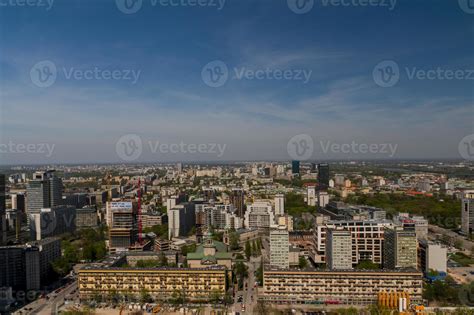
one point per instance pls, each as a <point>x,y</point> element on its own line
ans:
<point>415,222</point>
<point>279,205</point>
<point>259,215</point>
<point>279,247</point>
<point>323,199</point>
<point>432,256</point>
<point>339,249</point>
<point>311,196</point>
<point>367,239</point>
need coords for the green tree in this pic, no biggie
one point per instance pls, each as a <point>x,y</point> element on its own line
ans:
<point>234,239</point>
<point>248,250</point>
<point>240,272</point>
<point>145,296</point>
<point>367,265</point>
<point>215,296</point>
<point>302,262</point>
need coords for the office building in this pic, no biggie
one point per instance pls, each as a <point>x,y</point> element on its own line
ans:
<point>339,180</point>
<point>323,176</point>
<point>150,219</point>
<point>279,247</point>
<point>279,205</point>
<point>52,222</point>
<point>78,200</point>
<point>259,215</point>
<point>86,218</point>
<point>367,239</point>
<point>323,199</point>
<point>339,249</point>
<point>287,221</point>
<point>43,191</point>
<point>412,223</point>
<point>49,251</point>
<point>121,218</point>
<point>467,213</point>
<point>237,199</point>
<point>181,219</point>
<point>311,199</point>
<point>356,287</point>
<point>295,167</point>
<point>19,202</point>
<point>432,256</point>
<point>20,267</point>
<point>400,249</point>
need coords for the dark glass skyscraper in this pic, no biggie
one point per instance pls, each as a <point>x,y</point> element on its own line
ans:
<point>323,176</point>
<point>295,167</point>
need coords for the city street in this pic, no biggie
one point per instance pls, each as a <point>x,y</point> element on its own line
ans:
<point>466,244</point>
<point>45,306</point>
<point>249,294</point>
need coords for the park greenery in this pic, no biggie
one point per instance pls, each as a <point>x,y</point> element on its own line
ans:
<point>296,206</point>
<point>462,259</point>
<point>86,245</point>
<point>441,210</point>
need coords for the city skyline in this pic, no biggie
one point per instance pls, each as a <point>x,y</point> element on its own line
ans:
<point>161,91</point>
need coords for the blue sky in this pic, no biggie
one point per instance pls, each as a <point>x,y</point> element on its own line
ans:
<point>170,102</point>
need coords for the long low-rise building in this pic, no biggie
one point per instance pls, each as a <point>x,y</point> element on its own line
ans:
<point>194,284</point>
<point>361,287</point>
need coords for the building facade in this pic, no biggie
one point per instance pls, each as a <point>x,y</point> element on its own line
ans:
<point>279,247</point>
<point>339,249</point>
<point>467,213</point>
<point>195,284</point>
<point>86,218</point>
<point>181,219</point>
<point>400,249</point>
<point>121,218</point>
<point>259,215</point>
<point>367,239</point>
<point>432,256</point>
<point>338,287</point>
<point>279,205</point>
